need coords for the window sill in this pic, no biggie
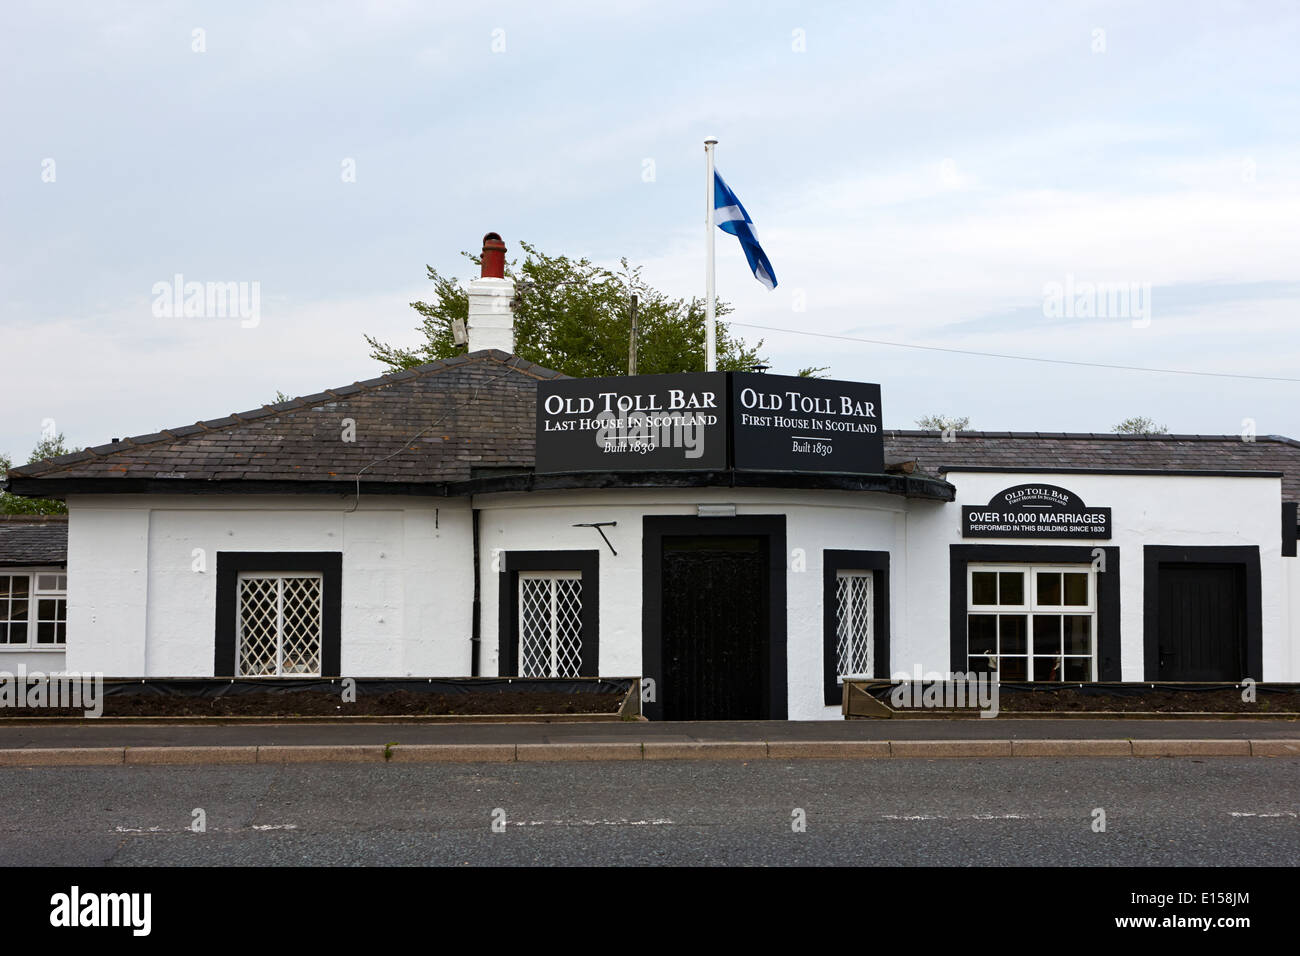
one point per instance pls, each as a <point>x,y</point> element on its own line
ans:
<point>23,649</point>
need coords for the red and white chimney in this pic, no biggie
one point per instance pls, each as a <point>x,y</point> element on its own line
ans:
<point>491,322</point>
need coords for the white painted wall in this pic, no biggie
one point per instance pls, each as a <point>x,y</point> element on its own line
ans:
<point>1161,510</point>
<point>1291,614</point>
<point>136,606</point>
<point>30,660</point>
<point>1145,510</point>
<point>543,521</point>
<point>108,586</point>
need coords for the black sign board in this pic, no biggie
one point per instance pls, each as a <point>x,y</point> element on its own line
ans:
<point>787,423</point>
<point>633,423</point>
<point>1035,511</point>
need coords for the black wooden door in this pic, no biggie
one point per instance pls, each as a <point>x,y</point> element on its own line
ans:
<point>715,628</point>
<point>1202,622</point>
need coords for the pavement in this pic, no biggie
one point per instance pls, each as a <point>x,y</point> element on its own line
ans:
<point>272,742</point>
<point>1086,811</point>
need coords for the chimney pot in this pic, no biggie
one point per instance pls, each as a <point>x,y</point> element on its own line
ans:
<point>491,323</point>
<point>494,257</point>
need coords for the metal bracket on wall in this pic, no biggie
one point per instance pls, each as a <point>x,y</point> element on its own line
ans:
<point>600,527</point>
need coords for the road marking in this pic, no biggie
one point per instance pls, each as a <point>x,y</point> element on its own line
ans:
<point>1280,813</point>
<point>591,823</point>
<point>255,826</point>
<point>964,816</point>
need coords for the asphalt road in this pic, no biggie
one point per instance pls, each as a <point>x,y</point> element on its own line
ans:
<point>1215,811</point>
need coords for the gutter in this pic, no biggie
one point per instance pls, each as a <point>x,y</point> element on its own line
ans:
<point>909,486</point>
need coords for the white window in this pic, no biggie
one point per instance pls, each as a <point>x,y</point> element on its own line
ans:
<point>279,624</point>
<point>854,631</point>
<point>550,623</point>
<point>1032,622</point>
<point>33,608</point>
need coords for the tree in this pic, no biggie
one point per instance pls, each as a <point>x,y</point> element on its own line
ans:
<point>573,316</point>
<point>1139,425</point>
<point>51,446</point>
<point>813,371</point>
<point>942,423</point>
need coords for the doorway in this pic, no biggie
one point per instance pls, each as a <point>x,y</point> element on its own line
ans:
<point>1203,613</point>
<point>714,618</point>
<point>1202,622</point>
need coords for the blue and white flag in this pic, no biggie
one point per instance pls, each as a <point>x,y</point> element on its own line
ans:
<point>731,217</point>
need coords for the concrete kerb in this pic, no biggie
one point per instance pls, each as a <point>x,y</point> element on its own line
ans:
<point>619,750</point>
<point>1275,748</point>
<point>191,755</point>
<point>322,753</point>
<point>452,753</point>
<point>1071,748</point>
<point>827,749</point>
<point>705,750</point>
<point>63,757</point>
<point>648,750</point>
<point>950,748</point>
<point>1191,748</point>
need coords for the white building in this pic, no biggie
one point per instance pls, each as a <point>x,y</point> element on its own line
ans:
<point>399,527</point>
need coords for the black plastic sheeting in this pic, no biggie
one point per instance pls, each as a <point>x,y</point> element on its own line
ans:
<point>1126,689</point>
<point>210,687</point>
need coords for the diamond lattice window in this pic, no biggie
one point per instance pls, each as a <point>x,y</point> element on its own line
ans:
<point>280,624</point>
<point>550,623</point>
<point>853,627</point>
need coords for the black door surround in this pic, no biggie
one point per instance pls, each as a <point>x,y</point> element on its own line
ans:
<point>1247,556</point>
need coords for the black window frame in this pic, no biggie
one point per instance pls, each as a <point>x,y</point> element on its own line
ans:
<point>230,564</point>
<point>833,562</point>
<point>1108,594</point>
<point>587,564</point>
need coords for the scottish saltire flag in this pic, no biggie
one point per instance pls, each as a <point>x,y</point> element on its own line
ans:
<point>731,217</point>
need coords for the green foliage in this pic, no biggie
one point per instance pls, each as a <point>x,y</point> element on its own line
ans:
<point>943,423</point>
<point>1140,425</point>
<point>814,372</point>
<point>573,316</point>
<point>48,447</point>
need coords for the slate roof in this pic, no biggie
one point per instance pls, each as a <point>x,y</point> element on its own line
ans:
<point>433,423</point>
<point>33,540</point>
<point>474,415</point>
<point>1064,450</point>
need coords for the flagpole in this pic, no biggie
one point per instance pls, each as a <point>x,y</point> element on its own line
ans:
<point>710,339</point>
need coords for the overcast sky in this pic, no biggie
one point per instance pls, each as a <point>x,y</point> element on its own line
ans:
<point>919,173</point>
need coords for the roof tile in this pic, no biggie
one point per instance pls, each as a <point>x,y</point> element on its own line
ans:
<point>33,540</point>
<point>430,423</point>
